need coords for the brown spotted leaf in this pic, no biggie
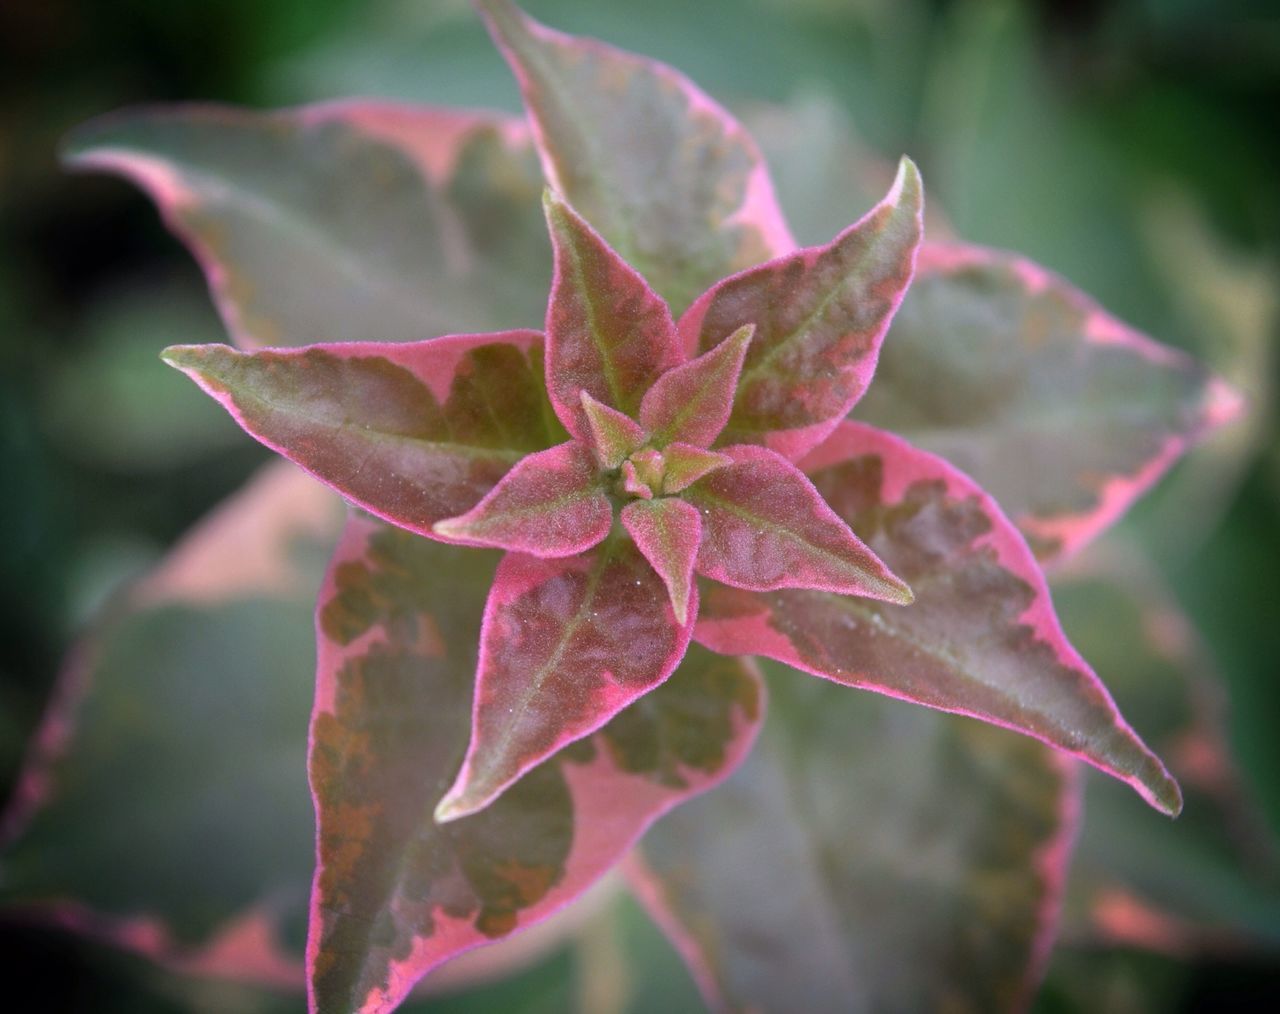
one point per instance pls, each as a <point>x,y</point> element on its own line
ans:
<point>981,637</point>
<point>395,892</point>
<point>867,856</point>
<point>668,177</point>
<point>1061,412</point>
<point>414,433</point>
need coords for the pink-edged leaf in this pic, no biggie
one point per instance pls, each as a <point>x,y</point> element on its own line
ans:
<point>667,532</point>
<point>396,893</point>
<point>684,464</point>
<point>669,178</point>
<point>867,856</point>
<point>765,527</point>
<point>820,315</point>
<point>566,644</point>
<point>550,504</point>
<point>1064,414</point>
<point>691,402</point>
<point>613,435</point>
<point>608,333</point>
<point>180,708</point>
<point>633,483</point>
<point>981,638</point>
<point>414,432</point>
<point>342,221</point>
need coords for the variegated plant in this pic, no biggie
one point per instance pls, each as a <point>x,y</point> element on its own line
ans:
<point>550,528</point>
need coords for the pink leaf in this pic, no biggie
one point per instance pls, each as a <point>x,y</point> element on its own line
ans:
<point>407,431</point>
<point>981,639</point>
<point>691,402</point>
<point>683,465</point>
<point>613,435</point>
<point>820,315</point>
<point>396,893</point>
<point>566,645</point>
<point>669,178</point>
<point>667,532</point>
<point>550,504</point>
<point>608,333</point>
<point>766,527</point>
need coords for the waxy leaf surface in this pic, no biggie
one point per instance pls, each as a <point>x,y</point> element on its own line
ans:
<point>345,221</point>
<point>981,637</point>
<point>820,315</point>
<point>415,432</point>
<point>866,857</point>
<point>163,806</point>
<point>1061,412</point>
<point>566,644</point>
<point>550,504</point>
<point>667,532</point>
<point>608,333</point>
<point>397,893</point>
<point>765,526</point>
<point>668,177</point>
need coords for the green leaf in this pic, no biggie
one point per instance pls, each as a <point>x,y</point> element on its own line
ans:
<point>672,181</point>
<point>342,221</point>
<point>867,856</point>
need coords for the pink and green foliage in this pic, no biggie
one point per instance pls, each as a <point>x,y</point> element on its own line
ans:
<point>508,690</point>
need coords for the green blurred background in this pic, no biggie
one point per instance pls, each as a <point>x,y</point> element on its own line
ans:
<point>1131,146</point>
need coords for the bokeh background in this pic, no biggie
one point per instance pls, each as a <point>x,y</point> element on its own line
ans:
<point>1130,146</point>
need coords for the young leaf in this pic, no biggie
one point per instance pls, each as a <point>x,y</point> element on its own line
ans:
<point>566,644</point>
<point>667,532</point>
<point>550,504</point>
<point>613,435</point>
<point>1061,412</point>
<point>691,402</point>
<point>342,221</point>
<point>669,178</point>
<point>414,433</point>
<point>766,527</point>
<point>820,314</point>
<point>981,638</point>
<point>930,881</point>
<point>608,333</point>
<point>683,465</point>
<point>395,892</point>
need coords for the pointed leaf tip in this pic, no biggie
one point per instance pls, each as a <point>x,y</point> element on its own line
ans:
<point>691,403</point>
<point>614,434</point>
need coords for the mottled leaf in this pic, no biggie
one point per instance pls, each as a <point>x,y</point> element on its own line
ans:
<point>766,527</point>
<point>866,857</point>
<point>820,316</point>
<point>396,893</point>
<point>550,504</point>
<point>613,435</point>
<point>668,177</point>
<point>690,403</point>
<point>667,532</point>
<point>342,221</point>
<point>980,639</point>
<point>163,806</point>
<point>566,644</point>
<point>415,432</point>
<point>1063,414</point>
<point>608,333</point>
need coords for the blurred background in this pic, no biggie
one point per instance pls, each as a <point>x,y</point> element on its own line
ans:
<point>1130,146</point>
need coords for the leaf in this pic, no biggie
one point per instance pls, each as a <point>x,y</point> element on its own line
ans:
<point>397,893</point>
<point>820,314</point>
<point>566,644</point>
<point>550,504</point>
<point>683,465</point>
<point>163,806</point>
<point>613,435</point>
<point>766,527</point>
<point>667,532</point>
<point>981,638</point>
<point>608,333</point>
<point>414,433</point>
<point>866,857</point>
<point>690,403</point>
<point>1061,412</point>
<point>668,177</point>
<point>342,221</point>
